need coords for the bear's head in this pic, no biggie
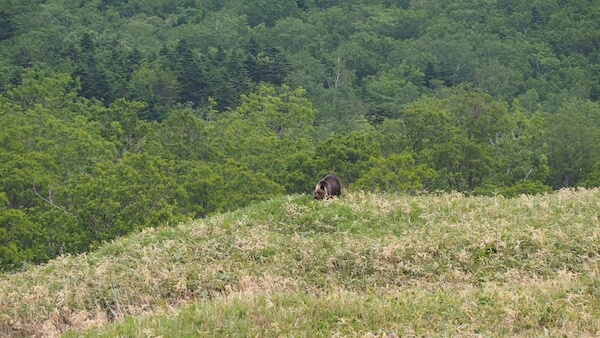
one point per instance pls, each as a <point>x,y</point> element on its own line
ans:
<point>320,191</point>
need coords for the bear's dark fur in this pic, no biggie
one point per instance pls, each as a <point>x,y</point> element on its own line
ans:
<point>328,187</point>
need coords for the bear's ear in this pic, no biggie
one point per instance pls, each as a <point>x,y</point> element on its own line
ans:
<point>321,186</point>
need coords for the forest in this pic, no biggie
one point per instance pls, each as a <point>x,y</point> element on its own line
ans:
<point>118,115</point>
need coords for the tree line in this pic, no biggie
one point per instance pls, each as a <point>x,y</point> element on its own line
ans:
<point>118,115</point>
<point>76,172</point>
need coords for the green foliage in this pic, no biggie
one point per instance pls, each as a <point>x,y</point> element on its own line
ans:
<point>21,240</point>
<point>593,178</point>
<point>519,156</point>
<point>287,115</point>
<point>391,90</point>
<point>392,136</point>
<point>186,136</point>
<point>526,187</point>
<point>573,142</point>
<point>119,115</point>
<point>267,12</point>
<point>113,199</point>
<point>196,193</point>
<point>347,156</point>
<point>396,173</point>
<point>240,186</point>
<point>469,138</point>
<point>7,25</point>
<point>271,133</point>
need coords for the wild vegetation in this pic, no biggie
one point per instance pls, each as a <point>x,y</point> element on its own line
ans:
<point>361,265</point>
<point>119,115</point>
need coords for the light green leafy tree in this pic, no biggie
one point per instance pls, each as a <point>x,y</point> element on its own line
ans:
<point>390,90</point>
<point>21,240</point>
<point>347,156</point>
<point>395,173</point>
<point>593,178</point>
<point>573,142</point>
<point>267,129</point>
<point>454,134</point>
<point>519,154</point>
<point>113,199</point>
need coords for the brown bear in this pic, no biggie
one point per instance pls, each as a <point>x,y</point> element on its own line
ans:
<point>328,187</point>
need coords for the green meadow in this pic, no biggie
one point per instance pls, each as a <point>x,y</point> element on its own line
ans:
<point>362,265</point>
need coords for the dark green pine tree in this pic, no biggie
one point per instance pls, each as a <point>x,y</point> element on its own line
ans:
<point>122,65</point>
<point>238,73</point>
<point>265,64</point>
<point>191,74</point>
<point>253,49</point>
<point>94,80</point>
<point>277,67</point>
<point>7,26</point>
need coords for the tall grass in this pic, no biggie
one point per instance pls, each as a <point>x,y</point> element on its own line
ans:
<point>360,265</point>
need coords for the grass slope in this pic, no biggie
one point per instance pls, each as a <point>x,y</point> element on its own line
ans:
<point>362,265</point>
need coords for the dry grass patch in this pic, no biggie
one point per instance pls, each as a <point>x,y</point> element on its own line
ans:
<point>526,308</point>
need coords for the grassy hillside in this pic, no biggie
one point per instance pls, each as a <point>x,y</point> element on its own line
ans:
<point>361,265</point>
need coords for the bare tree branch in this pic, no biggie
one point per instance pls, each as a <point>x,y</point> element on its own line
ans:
<point>50,201</point>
